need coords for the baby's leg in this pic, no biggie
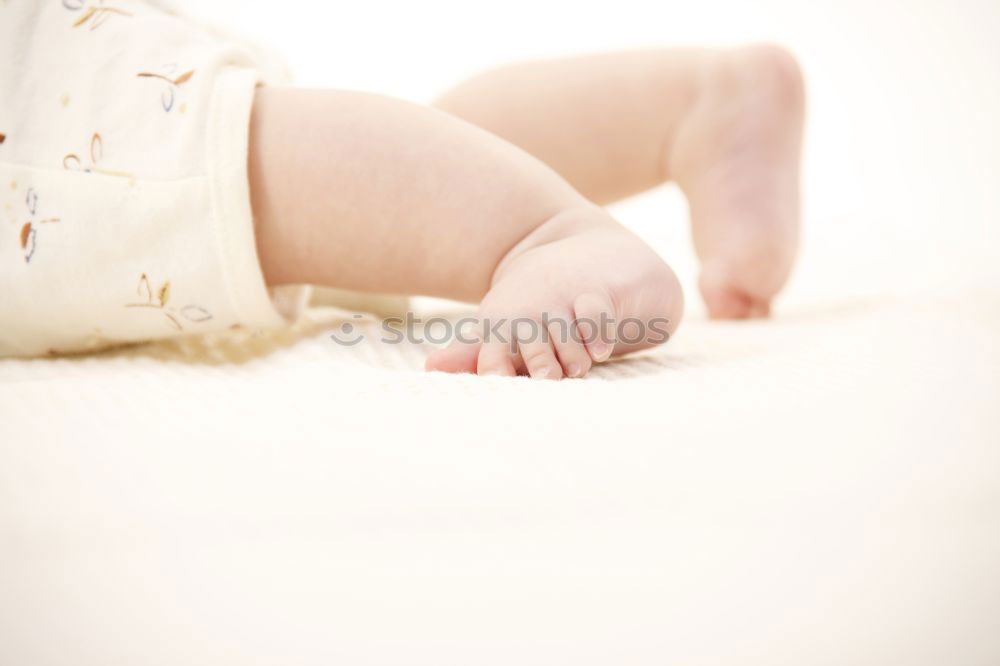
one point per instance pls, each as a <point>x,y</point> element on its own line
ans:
<point>725,125</point>
<point>365,192</point>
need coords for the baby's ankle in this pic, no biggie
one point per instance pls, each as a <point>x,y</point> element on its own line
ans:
<point>567,222</point>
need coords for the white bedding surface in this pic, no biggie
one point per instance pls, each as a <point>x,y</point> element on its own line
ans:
<point>820,489</point>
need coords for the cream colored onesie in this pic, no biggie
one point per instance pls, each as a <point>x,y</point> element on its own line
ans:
<point>124,203</point>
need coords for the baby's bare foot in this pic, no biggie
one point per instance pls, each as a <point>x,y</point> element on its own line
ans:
<point>578,290</point>
<point>737,159</point>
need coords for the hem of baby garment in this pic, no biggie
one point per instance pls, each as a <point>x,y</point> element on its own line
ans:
<point>228,138</point>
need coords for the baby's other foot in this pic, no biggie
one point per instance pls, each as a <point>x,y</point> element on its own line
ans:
<point>577,291</point>
<point>736,157</point>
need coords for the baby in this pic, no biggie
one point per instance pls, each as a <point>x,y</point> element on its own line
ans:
<point>494,196</point>
<point>164,187</point>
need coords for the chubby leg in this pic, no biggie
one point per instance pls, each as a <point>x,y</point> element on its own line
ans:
<point>365,192</point>
<point>726,125</point>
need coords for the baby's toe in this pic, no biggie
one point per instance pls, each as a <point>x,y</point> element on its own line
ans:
<point>535,349</point>
<point>595,320</point>
<point>568,344</point>
<point>738,290</point>
<point>495,355</point>
<point>760,310</point>
<point>726,300</point>
<point>457,357</point>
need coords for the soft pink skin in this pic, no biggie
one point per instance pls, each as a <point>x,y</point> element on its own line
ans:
<point>492,197</point>
<point>725,125</point>
<point>579,266</point>
<point>737,160</point>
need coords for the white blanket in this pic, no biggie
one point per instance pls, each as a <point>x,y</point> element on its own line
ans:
<point>819,489</point>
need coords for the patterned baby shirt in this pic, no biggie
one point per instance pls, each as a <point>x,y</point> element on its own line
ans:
<point>124,202</point>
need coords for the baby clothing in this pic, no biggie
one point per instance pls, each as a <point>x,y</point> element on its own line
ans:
<point>124,202</point>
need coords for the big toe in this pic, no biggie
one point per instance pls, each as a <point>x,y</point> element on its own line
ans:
<point>728,299</point>
<point>456,358</point>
